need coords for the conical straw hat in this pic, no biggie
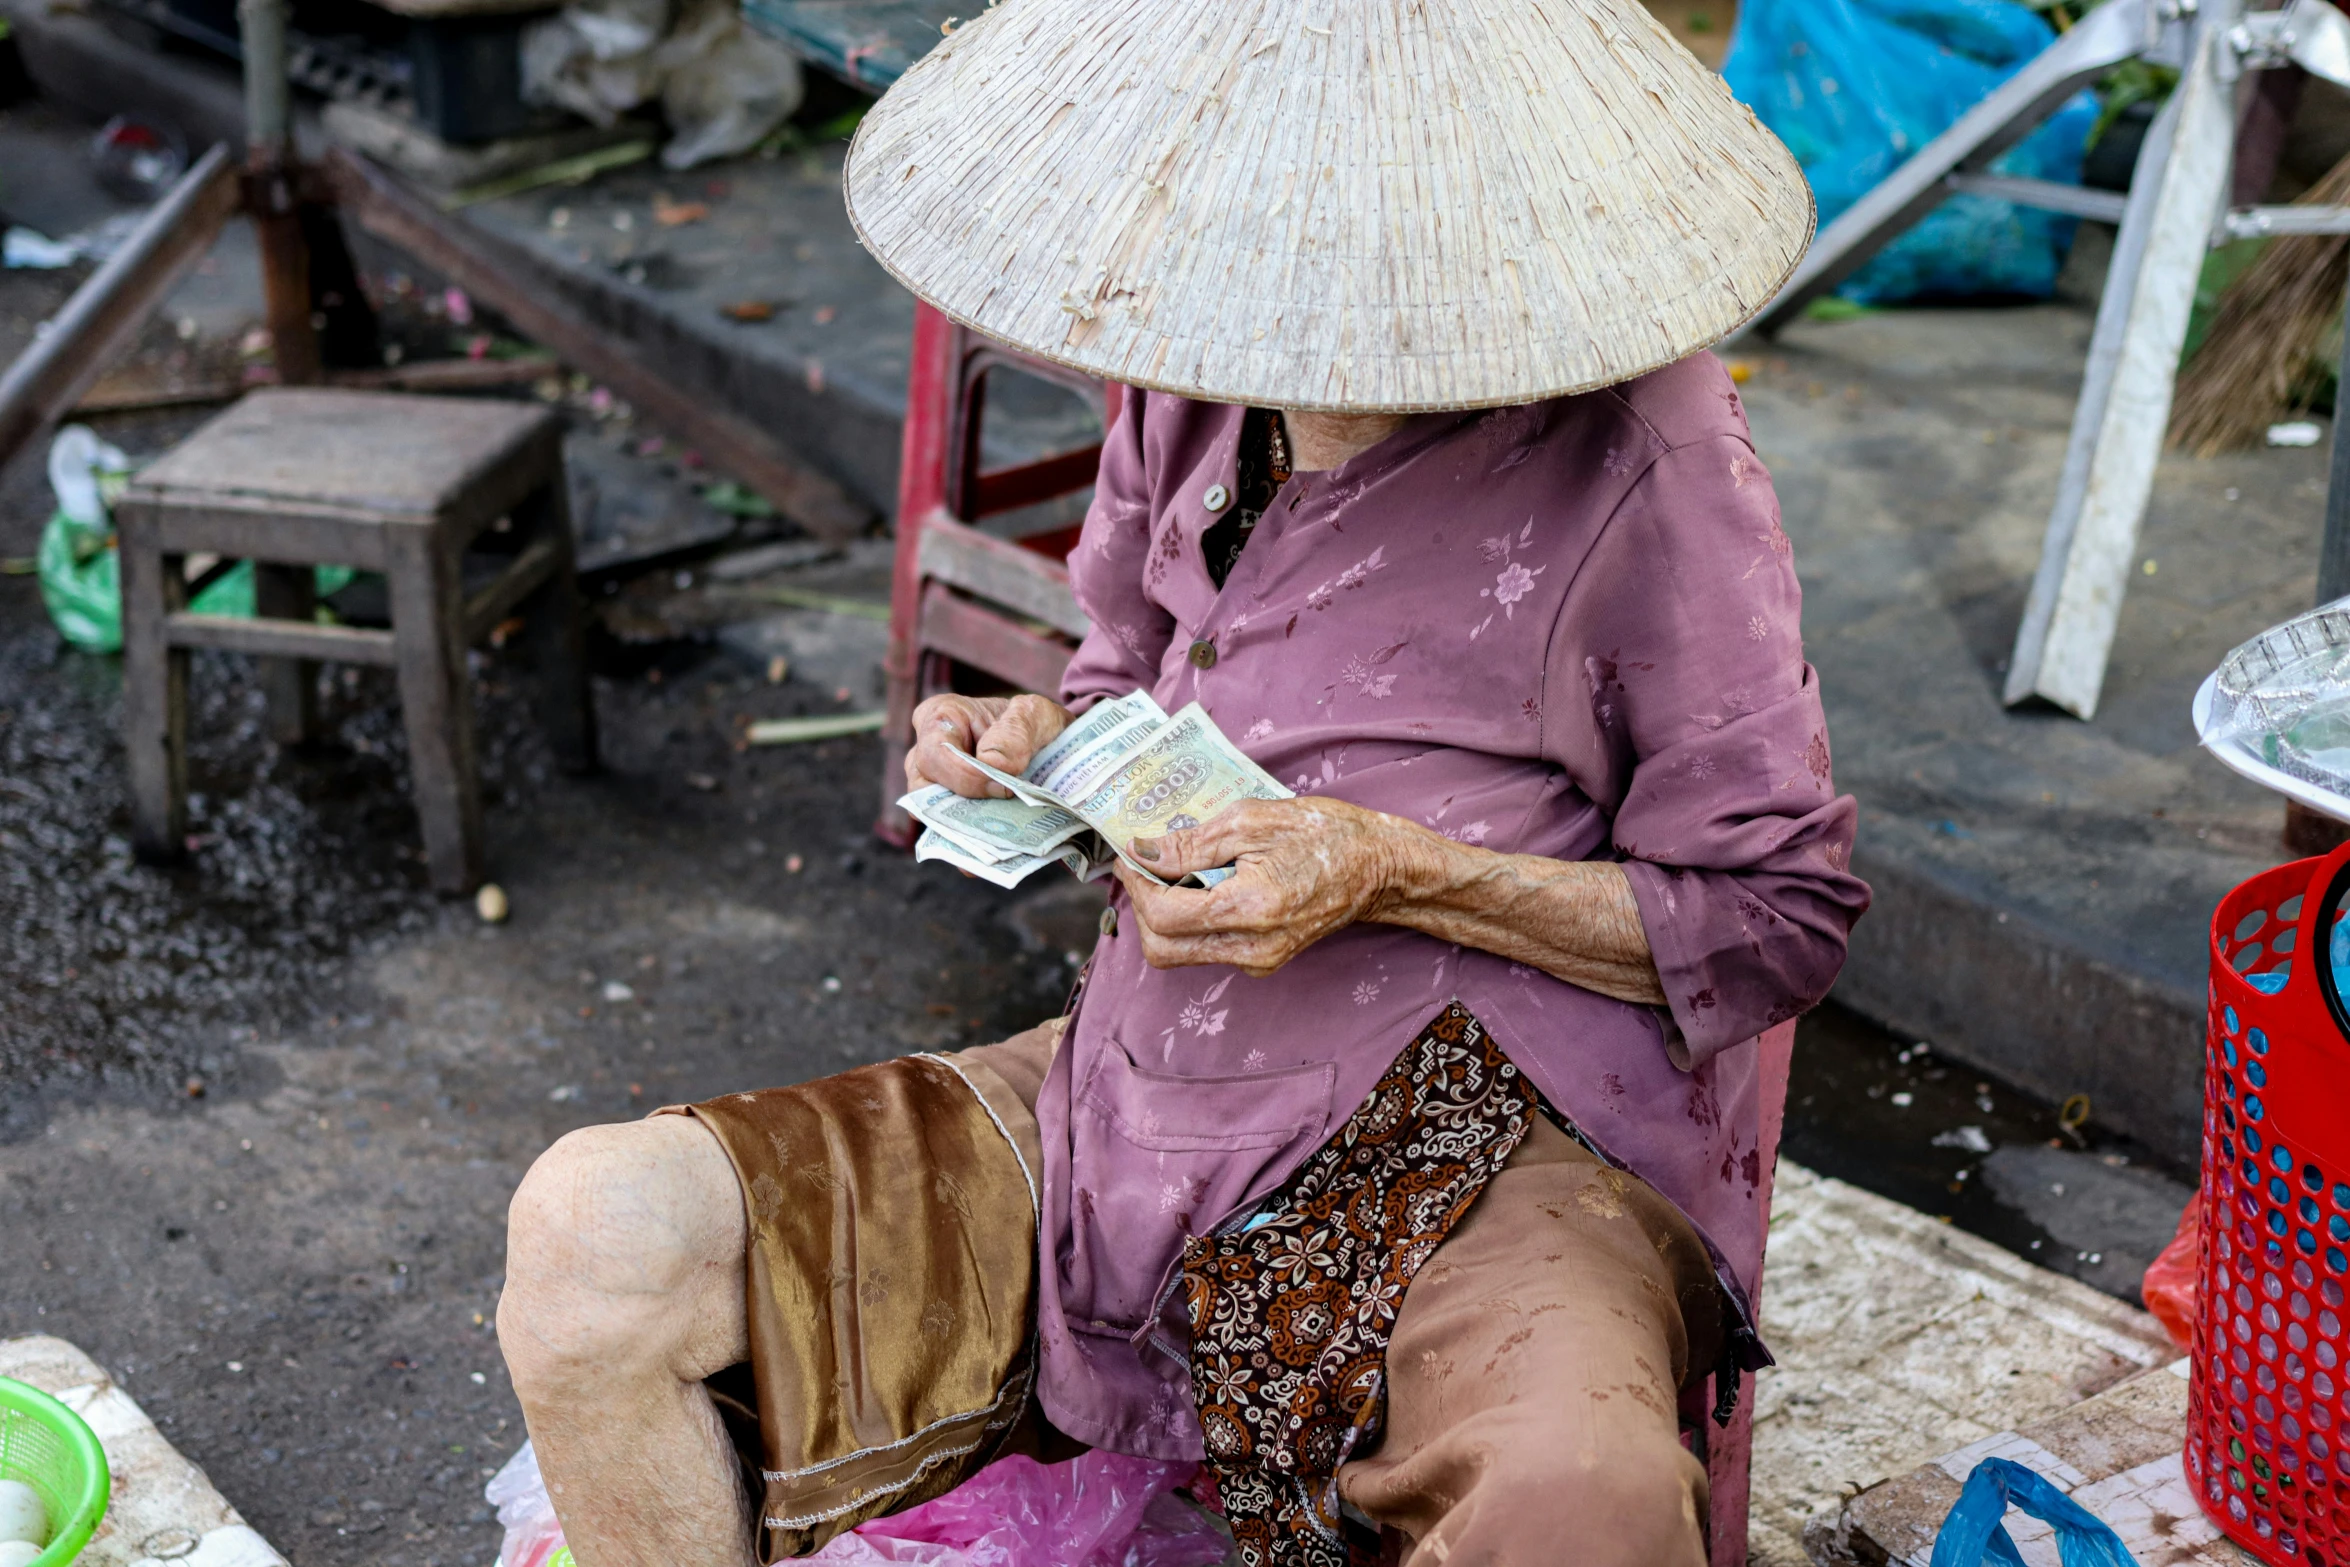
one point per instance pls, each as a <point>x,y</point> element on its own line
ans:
<point>1330,204</point>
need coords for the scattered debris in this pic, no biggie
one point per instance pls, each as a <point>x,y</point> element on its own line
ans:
<point>577,169</point>
<point>29,248</point>
<point>751,310</point>
<point>491,904</point>
<point>676,214</point>
<point>787,556</point>
<point>736,500</point>
<point>1970,1138</point>
<point>794,731</point>
<point>137,160</point>
<point>2293,432</point>
<point>829,603</point>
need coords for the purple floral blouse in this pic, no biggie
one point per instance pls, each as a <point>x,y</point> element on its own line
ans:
<point>1569,629</point>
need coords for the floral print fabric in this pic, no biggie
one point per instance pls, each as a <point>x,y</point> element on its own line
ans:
<point>1291,1309</point>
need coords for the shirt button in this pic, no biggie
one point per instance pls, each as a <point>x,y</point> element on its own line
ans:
<point>1109,920</point>
<point>1217,498</point>
<point>1203,654</point>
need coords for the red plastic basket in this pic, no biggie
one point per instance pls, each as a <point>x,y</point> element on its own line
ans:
<point>2268,1425</point>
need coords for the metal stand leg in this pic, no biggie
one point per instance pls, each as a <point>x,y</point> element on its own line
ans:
<point>2118,429</point>
<point>271,195</point>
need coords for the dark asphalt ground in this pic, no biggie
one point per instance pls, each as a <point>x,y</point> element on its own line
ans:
<point>260,1115</point>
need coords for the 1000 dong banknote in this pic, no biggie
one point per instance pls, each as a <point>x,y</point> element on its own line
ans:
<point>1186,773</point>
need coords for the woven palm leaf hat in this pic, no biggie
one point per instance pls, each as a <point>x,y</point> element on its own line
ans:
<point>1393,205</point>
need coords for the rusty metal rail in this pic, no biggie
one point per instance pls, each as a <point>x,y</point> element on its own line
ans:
<point>504,279</point>
<point>105,314</point>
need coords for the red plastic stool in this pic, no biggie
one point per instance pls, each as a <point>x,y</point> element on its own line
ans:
<point>2268,1417</point>
<point>960,597</point>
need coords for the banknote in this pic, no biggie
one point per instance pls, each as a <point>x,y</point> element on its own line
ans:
<point>1013,826</point>
<point>1009,872</point>
<point>1098,722</point>
<point>1125,770</point>
<point>1187,773</point>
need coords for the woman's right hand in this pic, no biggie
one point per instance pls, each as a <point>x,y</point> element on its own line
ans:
<point>1004,732</point>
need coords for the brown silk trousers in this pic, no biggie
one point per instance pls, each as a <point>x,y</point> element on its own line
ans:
<point>1532,1372</point>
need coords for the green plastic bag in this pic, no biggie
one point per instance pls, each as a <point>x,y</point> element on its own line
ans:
<point>80,573</point>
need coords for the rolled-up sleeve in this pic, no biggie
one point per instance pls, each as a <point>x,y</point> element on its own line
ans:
<point>1684,633</point>
<point>1129,633</point>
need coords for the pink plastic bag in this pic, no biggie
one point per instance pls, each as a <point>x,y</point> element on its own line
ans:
<point>533,1537</point>
<point>1098,1510</point>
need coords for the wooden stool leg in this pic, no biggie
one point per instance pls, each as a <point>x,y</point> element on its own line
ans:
<point>288,593</point>
<point>558,634</point>
<point>154,701</point>
<point>436,695</point>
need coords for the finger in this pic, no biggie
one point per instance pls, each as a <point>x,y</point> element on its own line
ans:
<point>1244,827</point>
<point>1024,728</point>
<point>1178,911</point>
<point>942,746</point>
<point>1157,908</point>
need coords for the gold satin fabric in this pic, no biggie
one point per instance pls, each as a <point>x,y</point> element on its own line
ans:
<point>891,1284</point>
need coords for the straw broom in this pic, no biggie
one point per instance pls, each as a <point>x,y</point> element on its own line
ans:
<point>2263,345</point>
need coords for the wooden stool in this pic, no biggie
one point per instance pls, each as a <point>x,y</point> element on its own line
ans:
<point>296,478</point>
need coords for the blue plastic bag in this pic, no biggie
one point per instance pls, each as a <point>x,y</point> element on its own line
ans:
<point>1974,1532</point>
<point>1854,87</point>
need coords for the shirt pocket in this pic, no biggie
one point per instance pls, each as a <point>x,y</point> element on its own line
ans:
<point>1156,1158</point>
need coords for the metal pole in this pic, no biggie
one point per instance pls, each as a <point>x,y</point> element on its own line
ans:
<point>2333,551</point>
<point>272,193</point>
<point>262,24</point>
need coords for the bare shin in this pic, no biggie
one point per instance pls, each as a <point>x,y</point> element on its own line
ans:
<point>624,1289</point>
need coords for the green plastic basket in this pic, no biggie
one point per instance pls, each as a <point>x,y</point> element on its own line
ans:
<point>53,1450</point>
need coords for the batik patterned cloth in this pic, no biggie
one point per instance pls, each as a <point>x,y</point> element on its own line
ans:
<point>1291,1310</point>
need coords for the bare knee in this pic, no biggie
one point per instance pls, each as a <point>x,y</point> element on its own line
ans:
<point>1510,1491</point>
<point>624,1252</point>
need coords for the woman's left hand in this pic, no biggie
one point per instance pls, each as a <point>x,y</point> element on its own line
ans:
<point>1305,868</point>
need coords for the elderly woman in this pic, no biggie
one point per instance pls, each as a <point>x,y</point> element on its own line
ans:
<point>1409,1175</point>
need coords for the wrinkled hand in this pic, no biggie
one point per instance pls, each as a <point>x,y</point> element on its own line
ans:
<point>1005,732</point>
<point>1305,868</point>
